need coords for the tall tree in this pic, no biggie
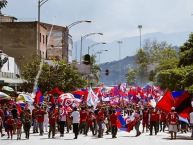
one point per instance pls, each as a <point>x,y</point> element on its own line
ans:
<point>186,52</point>
<point>142,62</point>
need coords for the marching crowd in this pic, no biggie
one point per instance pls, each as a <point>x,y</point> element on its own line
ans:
<point>101,120</point>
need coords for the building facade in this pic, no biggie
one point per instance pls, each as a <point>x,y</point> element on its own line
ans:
<point>20,40</point>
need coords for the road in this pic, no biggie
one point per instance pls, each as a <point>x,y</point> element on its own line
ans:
<point>123,138</point>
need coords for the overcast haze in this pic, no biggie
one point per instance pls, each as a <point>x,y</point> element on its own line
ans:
<point>115,18</point>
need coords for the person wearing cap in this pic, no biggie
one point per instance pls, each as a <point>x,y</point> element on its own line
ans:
<point>173,119</point>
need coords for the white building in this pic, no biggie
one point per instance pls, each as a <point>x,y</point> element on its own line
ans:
<point>10,72</point>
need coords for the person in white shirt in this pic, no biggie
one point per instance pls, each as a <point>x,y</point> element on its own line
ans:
<point>76,121</point>
<point>62,120</point>
<point>46,120</point>
<point>191,122</point>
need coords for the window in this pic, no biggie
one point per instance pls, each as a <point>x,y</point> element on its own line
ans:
<point>43,39</point>
<point>46,39</point>
<point>40,37</point>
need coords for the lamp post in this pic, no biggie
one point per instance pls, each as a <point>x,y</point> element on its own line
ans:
<point>99,53</point>
<point>82,38</point>
<point>140,27</point>
<point>67,32</point>
<point>95,44</point>
<point>40,3</point>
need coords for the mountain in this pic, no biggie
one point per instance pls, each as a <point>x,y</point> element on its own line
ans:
<point>129,46</point>
<point>117,70</point>
<point>118,66</point>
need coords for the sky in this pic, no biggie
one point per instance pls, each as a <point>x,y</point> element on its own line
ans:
<point>116,19</point>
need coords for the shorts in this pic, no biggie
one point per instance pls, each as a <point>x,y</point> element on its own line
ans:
<point>173,128</point>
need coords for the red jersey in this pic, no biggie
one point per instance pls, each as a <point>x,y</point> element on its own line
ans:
<point>34,114</point>
<point>83,116</point>
<point>101,116</point>
<point>113,119</point>
<point>19,124</point>
<point>153,116</point>
<point>40,115</point>
<point>173,118</point>
<point>10,122</point>
<point>52,120</point>
<point>89,120</point>
<point>145,115</point>
<point>163,117</point>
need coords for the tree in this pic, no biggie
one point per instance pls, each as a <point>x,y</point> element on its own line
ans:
<point>131,76</point>
<point>179,77</point>
<point>142,62</point>
<point>3,4</point>
<point>60,74</point>
<point>186,52</point>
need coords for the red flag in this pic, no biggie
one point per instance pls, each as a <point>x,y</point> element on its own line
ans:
<point>166,102</point>
<point>56,91</point>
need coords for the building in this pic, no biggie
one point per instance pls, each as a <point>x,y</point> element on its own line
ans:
<point>4,18</point>
<point>20,40</point>
<point>10,73</point>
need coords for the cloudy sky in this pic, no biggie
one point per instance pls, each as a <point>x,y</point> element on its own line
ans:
<point>117,19</point>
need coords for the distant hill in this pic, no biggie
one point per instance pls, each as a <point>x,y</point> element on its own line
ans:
<point>117,70</point>
<point>129,46</point>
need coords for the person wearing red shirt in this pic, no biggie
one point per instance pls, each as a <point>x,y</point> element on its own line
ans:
<point>145,121</point>
<point>83,123</point>
<point>113,119</point>
<point>90,123</point>
<point>153,121</point>
<point>10,125</point>
<point>52,122</point>
<point>173,119</point>
<point>27,122</point>
<point>162,121</point>
<point>19,126</point>
<point>100,120</point>
<point>40,118</point>
<point>34,119</point>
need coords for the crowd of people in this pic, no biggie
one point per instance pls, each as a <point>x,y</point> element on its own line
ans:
<point>100,120</point>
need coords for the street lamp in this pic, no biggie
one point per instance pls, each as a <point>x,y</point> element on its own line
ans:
<point>82,38</point>
<point>99,53</point>
<point>89,47</point>
<point>140,27</point>
<point>40,3</point>
<point>78,22</point>
<point>67,31</point>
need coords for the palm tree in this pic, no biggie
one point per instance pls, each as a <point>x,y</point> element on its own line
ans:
<point>3,4</point>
